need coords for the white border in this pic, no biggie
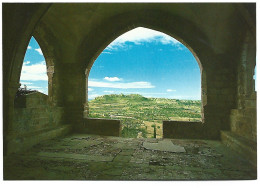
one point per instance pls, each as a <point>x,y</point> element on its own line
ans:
<point>130,184</point>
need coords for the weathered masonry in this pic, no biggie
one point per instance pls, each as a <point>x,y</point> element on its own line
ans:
<point>221,36</point>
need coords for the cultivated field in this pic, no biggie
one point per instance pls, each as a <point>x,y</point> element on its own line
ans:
<point>142,115</point>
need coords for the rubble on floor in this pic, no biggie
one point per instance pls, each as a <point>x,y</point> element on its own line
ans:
<point>90,157</point>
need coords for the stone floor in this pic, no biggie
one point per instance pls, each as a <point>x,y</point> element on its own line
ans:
<point>89,157</point>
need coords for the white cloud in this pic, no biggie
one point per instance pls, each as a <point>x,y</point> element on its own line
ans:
<point>170,90</point>
<point>39,50</point>
<point>34,87</point>
<point>140,35</point>
<point>29,48</point>
<point>121,85</point>
<point>90,89</point>
<point>26,62</point>
<point>34,72</point>
<point>106,52</point>
<point>109,91</point>
<point>26,83</point>
<point>112,79</point>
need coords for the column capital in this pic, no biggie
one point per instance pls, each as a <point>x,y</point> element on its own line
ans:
<point>87,72</point>
<point>50,71</point>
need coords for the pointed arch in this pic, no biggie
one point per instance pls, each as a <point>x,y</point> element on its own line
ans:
<point>172,26</point>
<point>34,69</point>
<point>88,70</point>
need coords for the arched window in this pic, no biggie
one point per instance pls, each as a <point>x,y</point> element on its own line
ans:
<point>142,78</point>
<point>34,73</point>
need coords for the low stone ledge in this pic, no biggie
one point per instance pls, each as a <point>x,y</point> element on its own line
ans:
<point>31,100</point>
<point>244,147</point>
<point>22,142</point>
<point>183,130</point>
<point>104,127</point>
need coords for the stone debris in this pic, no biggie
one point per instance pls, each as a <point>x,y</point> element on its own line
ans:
<point>164,145</point>
<point>79,157</point>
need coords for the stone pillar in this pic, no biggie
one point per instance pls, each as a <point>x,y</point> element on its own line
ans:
<point>219,95</point>
<point>71,93</point>
<point>50,72</point>
<point>246,71</point>
<point>9,96</point>
<point>203,93</point>
<point>86,106</point>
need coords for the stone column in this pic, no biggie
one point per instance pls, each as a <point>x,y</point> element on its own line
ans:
<point>9,96</point>
<point>71,93</point>
<point>50,72</point>
<point>203,93</point>
<point>219,93</point>
<point>246,71</point>
<point>86,106</point>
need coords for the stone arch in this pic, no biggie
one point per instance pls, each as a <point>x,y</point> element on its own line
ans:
<point>21,46</point>
<point>41,36</point>
<point>13,53</point>
<point>151,20</point>
<point>44,52</point>
<point>48,55</point>
<point>106,43</point>
<point>211,57</point>
<point>156,20</point>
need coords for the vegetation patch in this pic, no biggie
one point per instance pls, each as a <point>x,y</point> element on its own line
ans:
<point>143,116</point>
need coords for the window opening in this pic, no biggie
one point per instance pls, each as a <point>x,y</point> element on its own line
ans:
<point>34,74</point>
<point>142,78</point>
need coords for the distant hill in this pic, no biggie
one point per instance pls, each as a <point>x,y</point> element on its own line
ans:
<point>139,114</point>
<point>121,97</point>
<point>140,98</point>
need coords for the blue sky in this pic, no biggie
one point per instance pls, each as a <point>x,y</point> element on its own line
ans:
<point>146,62</point>
<point>34,74</point>
<point>141,61</point>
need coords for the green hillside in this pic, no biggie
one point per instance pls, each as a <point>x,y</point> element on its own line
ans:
<point>141,114</point>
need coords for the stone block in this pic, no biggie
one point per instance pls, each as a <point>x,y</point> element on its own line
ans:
<point>76,156</point>
<point>164,145</point>
<point>243,122</point>
<point>182,129</point>
<point>31,100</point>
<point>250,103</point>
<point>241,145</point>
<point>105,127</point>
<point>22,142</point>
<point>122,158</point>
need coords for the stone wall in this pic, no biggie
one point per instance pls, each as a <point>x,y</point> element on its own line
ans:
<point>105,127</point>
<point>243,117</point>
<point>34,121</point>
<point>183,130</point>
<point>242,135</point>
<point>243,122</point>
<point>214,32</point>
